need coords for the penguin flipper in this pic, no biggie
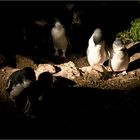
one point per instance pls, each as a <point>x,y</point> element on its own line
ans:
<point>9,85</point>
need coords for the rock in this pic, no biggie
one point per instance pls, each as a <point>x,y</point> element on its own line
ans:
<point>86,69</point>
<point>44,68</point>
<point>8,71</point>
<point>90,74</point>
<point>22,61</point>
<point>66,70</point>
<point>3,70</point>
<point>96,72</point>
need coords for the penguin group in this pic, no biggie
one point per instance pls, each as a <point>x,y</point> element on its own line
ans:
<point>30,96</point>
<point>26,92</point>
<point>98,53</point>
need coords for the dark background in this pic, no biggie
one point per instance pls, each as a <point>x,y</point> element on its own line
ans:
<point>111,16</point>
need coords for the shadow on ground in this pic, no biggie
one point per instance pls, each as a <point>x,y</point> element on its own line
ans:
<point>131,51</point>
<point>80,113</point>
<point>134,49</point>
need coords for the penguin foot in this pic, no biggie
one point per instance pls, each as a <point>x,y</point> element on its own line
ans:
<point>56,54</point>
<point>114,74</point>
<point>124,73</point>
<point>119,74</point>
<point>63,55</point>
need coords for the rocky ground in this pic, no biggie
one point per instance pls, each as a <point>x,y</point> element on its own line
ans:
<point>112,98</point>
<point>75,67</point>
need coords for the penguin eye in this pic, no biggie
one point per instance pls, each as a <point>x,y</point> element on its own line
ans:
<point>123,49</point>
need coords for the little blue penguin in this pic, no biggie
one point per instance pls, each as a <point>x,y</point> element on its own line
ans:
<point>19,80</point>
<point>96,51</point>
<point>31,99</point>
<point>119,58</point>
<point>60,40</point>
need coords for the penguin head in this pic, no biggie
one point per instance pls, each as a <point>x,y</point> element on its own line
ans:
<point>13,80</point>
<point>117,44</point>
<point>97,36</point>
<point>45,79</point>
<point>77,18</point>
<point>58,24</point>
<point>28,73</point>
<point>69,6</point>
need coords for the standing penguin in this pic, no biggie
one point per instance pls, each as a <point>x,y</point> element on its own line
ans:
<point>119,59</point>
<point>60,40</point>
<point>19,80</point>
<point>96,51</point>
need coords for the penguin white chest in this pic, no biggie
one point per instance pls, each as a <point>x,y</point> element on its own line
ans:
<point>17,90</point>
<point>119,60</point>
<point>59,38</point>
<point>96,54</point>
